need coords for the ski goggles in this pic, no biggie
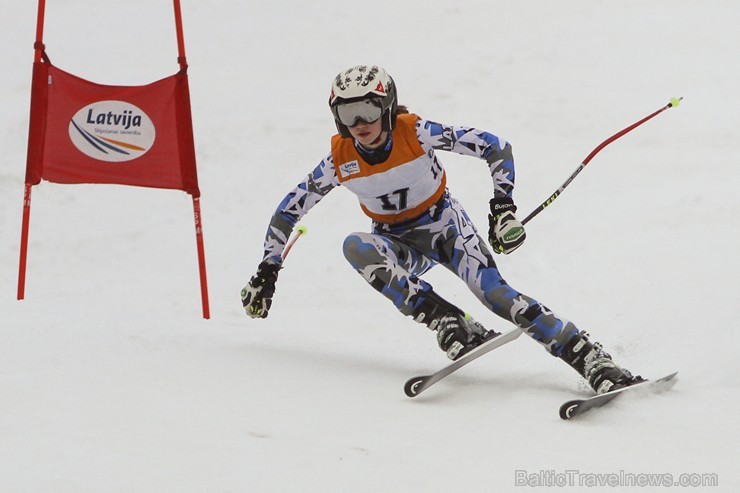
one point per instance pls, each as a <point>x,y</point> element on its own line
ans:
<point>350,114</point>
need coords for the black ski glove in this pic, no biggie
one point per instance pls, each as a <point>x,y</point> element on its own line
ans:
<point>505,232</point>
<point>257,294</point>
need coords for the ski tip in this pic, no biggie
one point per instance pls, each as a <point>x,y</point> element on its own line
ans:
<point>414,386</point>
<point>668,381</point>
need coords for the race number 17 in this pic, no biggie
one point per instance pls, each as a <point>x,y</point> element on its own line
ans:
<point>395,201</point>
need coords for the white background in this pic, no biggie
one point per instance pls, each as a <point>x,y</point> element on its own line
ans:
<point>110,381</point>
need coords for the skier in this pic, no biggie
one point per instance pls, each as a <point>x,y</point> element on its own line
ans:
<point>386,156</point>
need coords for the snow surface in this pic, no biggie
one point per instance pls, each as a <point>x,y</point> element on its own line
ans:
<point>110,380</point>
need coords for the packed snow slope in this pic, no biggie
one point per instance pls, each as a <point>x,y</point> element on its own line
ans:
<point>110,380</point>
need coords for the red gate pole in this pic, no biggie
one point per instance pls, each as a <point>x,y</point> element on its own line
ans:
<point>38,47</point>
<point>40,30</point>
<point>201,258</point>
<point>24,241</point>
<point>180,37</point>
<point>196,200</point>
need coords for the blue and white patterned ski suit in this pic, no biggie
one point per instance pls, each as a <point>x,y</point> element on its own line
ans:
<point>417,224</point>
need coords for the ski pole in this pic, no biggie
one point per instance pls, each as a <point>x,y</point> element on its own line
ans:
<point>299,231</point>
<point>551,199</point>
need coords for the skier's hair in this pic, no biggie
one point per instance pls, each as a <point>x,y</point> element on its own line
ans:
<point>401,109</point>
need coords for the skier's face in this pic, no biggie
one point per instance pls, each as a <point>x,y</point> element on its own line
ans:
<point>369,135</point>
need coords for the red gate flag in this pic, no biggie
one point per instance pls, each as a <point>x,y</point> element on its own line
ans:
<point>82,132</point>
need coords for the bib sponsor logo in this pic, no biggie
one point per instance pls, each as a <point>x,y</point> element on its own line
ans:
<point>113,131</point>
<point>348,169</point>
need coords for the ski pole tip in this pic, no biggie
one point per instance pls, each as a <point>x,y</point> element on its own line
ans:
<point>675,102</point>
<point>301,230</point>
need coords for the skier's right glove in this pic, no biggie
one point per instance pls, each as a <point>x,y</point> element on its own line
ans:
<point>257,294</point>
<point>505,232</point>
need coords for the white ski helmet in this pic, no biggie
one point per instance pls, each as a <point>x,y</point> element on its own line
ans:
<point>364,82</point>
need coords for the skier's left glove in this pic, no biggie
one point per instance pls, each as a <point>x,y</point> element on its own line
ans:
<point>505,232</point>
<point>257,294</point>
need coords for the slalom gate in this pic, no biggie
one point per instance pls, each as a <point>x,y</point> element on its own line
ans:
<point>82,132</point>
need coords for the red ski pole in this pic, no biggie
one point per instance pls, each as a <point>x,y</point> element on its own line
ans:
<point>551,199</point>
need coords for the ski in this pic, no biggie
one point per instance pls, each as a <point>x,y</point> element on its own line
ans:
<point>416,385</point>
<point>575,407</point>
